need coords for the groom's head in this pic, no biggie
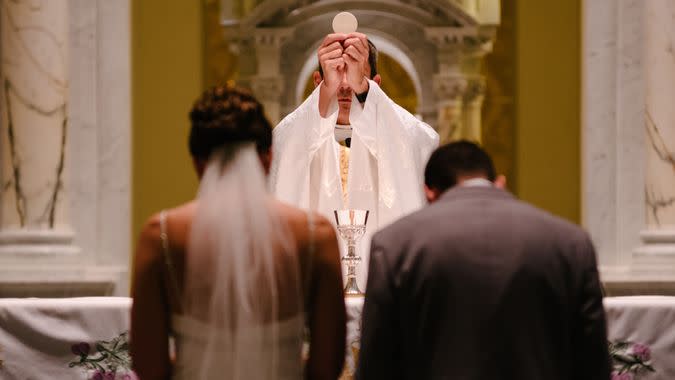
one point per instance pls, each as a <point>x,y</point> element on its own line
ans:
<point>454,163</point>
<point>225,116</point>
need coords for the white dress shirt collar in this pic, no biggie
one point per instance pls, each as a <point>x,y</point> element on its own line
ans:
<point>476,182</point>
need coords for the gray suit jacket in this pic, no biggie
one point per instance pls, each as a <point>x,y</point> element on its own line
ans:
<point>480,285</point>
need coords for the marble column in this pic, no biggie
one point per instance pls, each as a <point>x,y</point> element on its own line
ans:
<point>268,84</point>
<point>35,95</point>
<point>459,86</point>
<point>474,49</point>
<point>449,81</point>
<point>471,110</point>
<point>613,138</point>
<point>268,91</point>
<point>449,91</point>
<point>628,135</point>
<point>659,57</point>
<point>66,148</point>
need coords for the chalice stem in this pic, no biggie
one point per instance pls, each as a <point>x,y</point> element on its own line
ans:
<point>351,288</point>
<point>351,270</point>
<point>351,250</point>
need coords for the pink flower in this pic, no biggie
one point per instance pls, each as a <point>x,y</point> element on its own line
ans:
<point>621,376</point>
<point>103,375</point>
<point>642,352</point>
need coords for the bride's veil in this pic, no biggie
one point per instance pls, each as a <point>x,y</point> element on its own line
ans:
<point>242,272</point>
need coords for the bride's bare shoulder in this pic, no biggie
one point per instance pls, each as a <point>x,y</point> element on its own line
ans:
<point>297,219</point>
<point>184,212</point>
<point>176,217</point>
<point>288,212</point>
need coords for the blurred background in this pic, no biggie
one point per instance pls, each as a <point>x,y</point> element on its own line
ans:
<point>180,48</point>
<point>572,98</point>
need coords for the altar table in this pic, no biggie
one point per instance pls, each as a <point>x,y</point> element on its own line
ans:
<point>86,338</point>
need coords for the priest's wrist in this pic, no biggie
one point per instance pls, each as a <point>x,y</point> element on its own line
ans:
<point>326,95</point>
<point>328,89</point>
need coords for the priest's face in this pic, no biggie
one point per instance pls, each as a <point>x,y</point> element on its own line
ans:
<point>344,99</point>
<point>345,93</point>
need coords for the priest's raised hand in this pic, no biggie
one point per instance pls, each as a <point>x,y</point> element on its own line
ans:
<point>356,57</point>
<point>332,63</point>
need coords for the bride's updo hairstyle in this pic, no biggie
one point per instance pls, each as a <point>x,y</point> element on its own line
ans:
<point>226,117</point>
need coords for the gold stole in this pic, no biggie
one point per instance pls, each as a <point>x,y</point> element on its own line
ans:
<point>344,172</point>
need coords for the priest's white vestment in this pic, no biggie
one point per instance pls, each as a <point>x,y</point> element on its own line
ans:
<point>389,150</point>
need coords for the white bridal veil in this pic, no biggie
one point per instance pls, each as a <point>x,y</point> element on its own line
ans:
<point>242,283</point>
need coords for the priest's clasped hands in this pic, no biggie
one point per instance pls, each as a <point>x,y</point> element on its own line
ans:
<point>344,62</point>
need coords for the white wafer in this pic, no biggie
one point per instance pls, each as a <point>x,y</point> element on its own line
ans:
<point>345,22</point>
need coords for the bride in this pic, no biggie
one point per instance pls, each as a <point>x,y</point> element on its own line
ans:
<point>225,286</point>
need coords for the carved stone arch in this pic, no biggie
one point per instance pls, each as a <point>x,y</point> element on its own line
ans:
<point>443,40</point>
<point>383,44</point>
<point>428,12</point>
<point>300,50</point>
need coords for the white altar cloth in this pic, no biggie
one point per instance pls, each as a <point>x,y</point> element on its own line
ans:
<point>647,320</point>
<point>42,338</point>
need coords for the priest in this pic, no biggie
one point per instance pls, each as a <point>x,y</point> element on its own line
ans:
<point>348,145</point>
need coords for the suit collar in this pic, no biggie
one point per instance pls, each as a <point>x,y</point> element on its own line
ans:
<point>461,192</point>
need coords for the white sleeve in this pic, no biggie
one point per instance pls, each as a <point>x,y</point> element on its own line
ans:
<point>294,141</point>
<point>402,145</point>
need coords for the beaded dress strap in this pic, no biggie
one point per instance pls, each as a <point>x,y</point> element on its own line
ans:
<point>166,252</point>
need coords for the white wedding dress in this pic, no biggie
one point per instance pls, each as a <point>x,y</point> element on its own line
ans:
<point>191,335</point>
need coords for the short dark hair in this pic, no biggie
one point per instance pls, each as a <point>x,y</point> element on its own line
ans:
<point>227,115</point>
<point>455,159</point>
<point>372,60</point>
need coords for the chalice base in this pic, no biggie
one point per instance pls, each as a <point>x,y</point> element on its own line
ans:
<point>352,288</point>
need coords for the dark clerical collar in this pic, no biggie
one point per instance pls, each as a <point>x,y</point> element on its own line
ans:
<point>343,134</point>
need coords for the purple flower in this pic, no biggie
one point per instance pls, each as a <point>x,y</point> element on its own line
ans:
<point>103,375</point>
<point>81,349</point>
<point>642,352</point>
<point>621,376</point>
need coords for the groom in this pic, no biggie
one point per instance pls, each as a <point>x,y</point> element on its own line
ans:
<point>480,285</point>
